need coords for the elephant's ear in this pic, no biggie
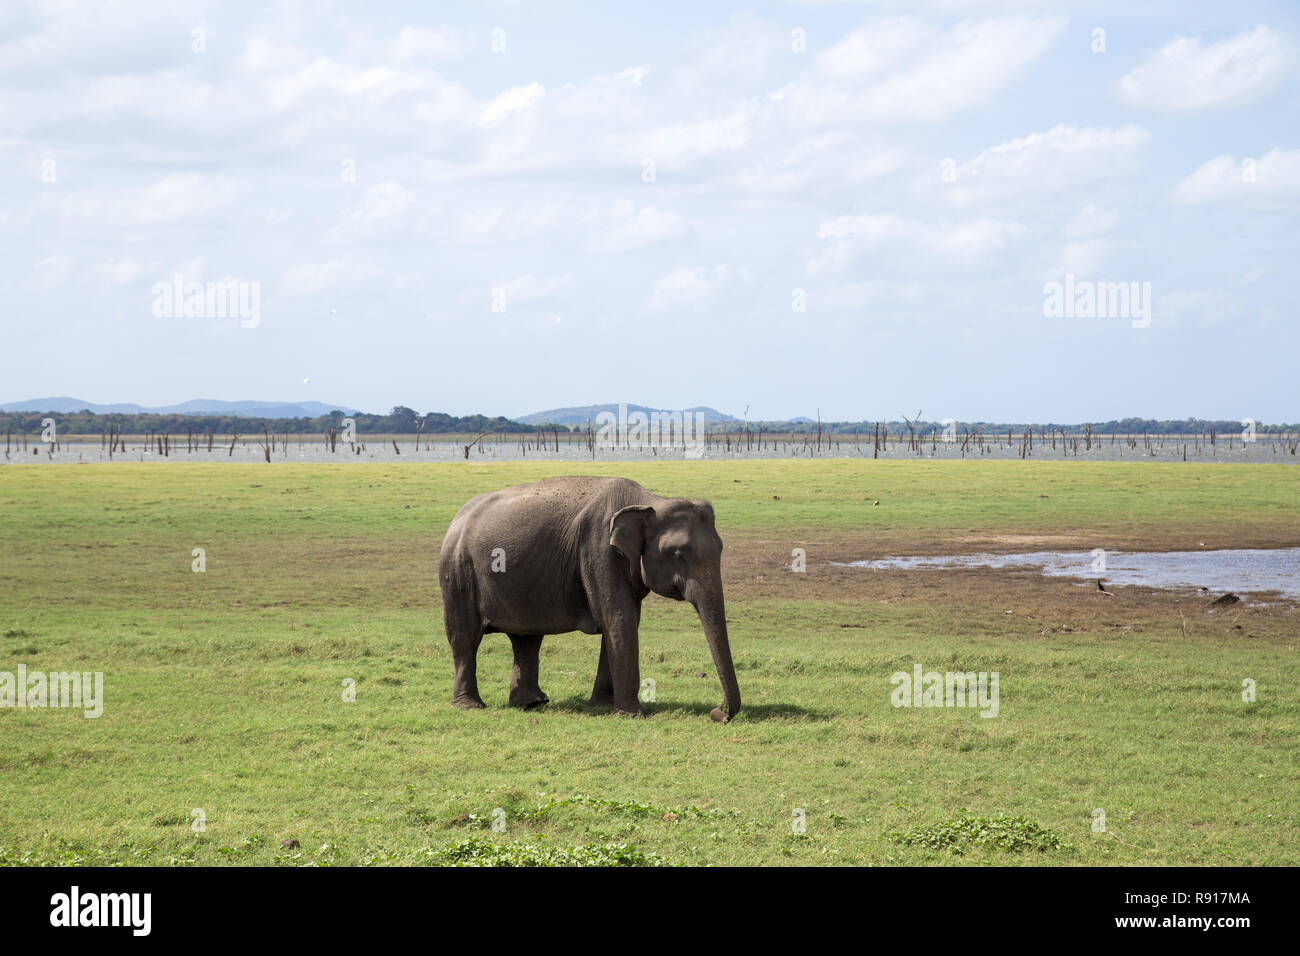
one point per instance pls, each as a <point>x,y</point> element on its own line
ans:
<point>627,534</point>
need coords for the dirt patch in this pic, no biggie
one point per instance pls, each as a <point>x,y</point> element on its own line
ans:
<point>761,569</point>
<point>970,543</point>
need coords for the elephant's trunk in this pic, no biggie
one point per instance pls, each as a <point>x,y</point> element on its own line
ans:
<point>713,617</point>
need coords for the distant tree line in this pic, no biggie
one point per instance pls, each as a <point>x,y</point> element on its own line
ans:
<point>1126,426</point>
<point>400,420</point>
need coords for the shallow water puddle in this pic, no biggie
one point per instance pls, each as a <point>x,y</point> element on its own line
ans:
<point>1248,570</point>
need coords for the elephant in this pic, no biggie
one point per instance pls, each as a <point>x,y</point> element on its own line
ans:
<point>578,554</point>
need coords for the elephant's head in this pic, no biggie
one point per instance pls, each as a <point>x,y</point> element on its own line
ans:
<point>673,549</point>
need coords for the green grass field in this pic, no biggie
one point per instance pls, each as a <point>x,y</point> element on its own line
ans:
<point>224,689</point>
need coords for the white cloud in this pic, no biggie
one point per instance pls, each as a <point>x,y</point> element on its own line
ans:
<point>529,289</point>
<point>875,241</point>
<point>382,211</point>
<point>518,99</point>
<point>69,38</point>
<point>682,143</point>
<point>634,227</point>
<point>1090,247</point>
<point>1047,164</point>
<point>1184,75</point>
<point>905,71</point>
<point>510,223</point>
<point>327,77</point>
<point>1088,258</point>
<point>187,197</point>
<point>177,199</point>
<point>1274,177</point>
<point>53,271</point>
<point>720,65</point>
<point>819,162</point>
<point>694,289</point>
<point>869,52</point>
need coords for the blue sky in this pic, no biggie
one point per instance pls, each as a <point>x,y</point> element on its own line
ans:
<point>450,206</point>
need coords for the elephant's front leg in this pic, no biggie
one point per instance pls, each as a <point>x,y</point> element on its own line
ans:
<point>620,647</point>
<point>524,691</point>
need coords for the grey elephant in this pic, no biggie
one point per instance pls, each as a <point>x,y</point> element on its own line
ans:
<point>578,554</point>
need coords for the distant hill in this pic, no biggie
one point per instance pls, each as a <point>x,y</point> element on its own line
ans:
<point>580,415</point>
<point>199,406</point>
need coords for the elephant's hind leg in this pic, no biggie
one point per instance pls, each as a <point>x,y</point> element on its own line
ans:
<point>464,634</point>
<point>524,691</point>
<point>602,693</point>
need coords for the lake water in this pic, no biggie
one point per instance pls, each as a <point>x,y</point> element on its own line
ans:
<point>1242,570</point>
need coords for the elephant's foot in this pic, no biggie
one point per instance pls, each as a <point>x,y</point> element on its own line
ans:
<point>602,696</point>
<point>468,701</point>
<point>528,697</point>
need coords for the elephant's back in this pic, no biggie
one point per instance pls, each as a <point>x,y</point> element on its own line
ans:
<point>463,520</point>
<point>567,494</point>
<point>538,509</point>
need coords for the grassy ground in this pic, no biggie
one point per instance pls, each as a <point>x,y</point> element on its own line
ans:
<point>224,690</point>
